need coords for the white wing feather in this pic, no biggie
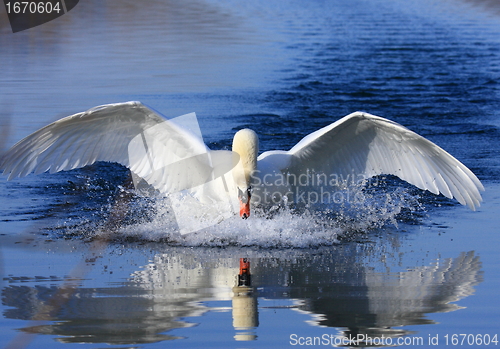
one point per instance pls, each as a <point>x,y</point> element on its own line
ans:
<point>172,159</point>
<point>368,145</point>
<point>164,154</point>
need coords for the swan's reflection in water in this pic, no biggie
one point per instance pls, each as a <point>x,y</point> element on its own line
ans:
<point>335,287</point>
<point>372,304</point>
<point>244,304</point>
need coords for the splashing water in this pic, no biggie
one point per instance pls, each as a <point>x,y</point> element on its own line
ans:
<point>133,217</point>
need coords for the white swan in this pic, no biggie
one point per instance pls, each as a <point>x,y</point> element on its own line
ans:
<point>172,159</point>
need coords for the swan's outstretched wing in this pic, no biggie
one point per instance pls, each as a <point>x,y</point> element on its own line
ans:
<point>366,145</point>
<point>166,155</point>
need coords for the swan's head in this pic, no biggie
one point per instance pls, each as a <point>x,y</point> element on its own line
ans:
<point>246,145</point>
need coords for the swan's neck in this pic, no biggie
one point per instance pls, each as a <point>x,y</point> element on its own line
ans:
<point>246,145</point>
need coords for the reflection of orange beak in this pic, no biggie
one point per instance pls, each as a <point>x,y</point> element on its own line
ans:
<point>245,209</point>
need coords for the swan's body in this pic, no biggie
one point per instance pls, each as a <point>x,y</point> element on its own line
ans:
<point>172,159</point>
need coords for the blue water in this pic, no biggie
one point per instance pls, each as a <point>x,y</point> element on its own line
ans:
<point>85,262</point>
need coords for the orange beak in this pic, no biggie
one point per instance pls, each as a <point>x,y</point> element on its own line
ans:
<point>244,209</point>
<point>244,203</point>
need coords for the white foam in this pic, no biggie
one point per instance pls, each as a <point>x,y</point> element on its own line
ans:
<point>276,227</point>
